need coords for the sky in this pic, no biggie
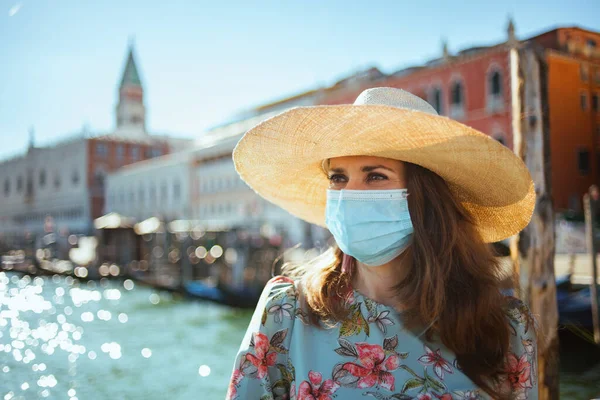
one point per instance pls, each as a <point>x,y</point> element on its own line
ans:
<point>202,62</point>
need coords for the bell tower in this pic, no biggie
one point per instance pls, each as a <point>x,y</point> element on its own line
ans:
<point>131,112</point>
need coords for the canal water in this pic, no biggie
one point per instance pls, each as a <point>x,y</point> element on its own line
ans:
<point>62,338</point>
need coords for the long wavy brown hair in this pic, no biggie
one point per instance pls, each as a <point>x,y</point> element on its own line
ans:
<point>453,282</point>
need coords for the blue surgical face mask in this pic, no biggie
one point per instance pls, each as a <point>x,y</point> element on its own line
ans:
<point>373,226</point>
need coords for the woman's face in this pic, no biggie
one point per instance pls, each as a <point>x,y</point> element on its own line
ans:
<point>366,173</point>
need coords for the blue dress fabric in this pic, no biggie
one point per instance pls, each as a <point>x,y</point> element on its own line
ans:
<point>369,355</point>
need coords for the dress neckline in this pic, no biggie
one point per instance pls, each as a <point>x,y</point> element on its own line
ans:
<point>358,295</point>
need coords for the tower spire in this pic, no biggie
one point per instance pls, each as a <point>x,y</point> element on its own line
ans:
<point>510,30</point>
<point>445,52</point>
<point>131,112</point>
<point>130,74</point>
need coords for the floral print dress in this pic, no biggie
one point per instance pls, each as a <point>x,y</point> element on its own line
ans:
<point>368,355</point>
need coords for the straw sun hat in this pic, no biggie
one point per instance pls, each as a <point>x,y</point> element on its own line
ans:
<point>282,158</point>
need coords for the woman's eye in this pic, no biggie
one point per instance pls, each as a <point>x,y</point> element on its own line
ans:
<point>376,177</point>
<point>337,178</point>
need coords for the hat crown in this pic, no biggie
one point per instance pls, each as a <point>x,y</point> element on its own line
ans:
<point>395,98</point>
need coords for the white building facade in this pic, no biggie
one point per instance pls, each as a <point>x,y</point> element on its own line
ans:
<point>61,187</point>
<point>156,187</point>
<point>46,189</point>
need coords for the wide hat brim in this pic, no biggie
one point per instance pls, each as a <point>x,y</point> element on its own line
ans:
<point>281,159</point>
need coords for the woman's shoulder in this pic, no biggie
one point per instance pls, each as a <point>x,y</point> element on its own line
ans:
<point>280,288</point>
<point>519,315</point>
<point>279,301</point>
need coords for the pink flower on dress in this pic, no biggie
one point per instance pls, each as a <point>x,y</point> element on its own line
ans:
<point>316,389</point>
<point>375,366</point>
<point>236,378</point>
<point>263,358</point>
<point>518,372</point>
<point>425,396</point>
<point>293,392</point>
<point>439,363</point>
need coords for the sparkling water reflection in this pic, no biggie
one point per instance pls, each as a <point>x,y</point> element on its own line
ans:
<point>62,338</point>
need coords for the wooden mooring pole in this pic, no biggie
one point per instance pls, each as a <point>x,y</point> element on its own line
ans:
<point>532,250</point>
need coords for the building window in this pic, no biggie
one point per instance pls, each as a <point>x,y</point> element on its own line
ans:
<point>120,152</point>
<point>457,93</point>
<point>591,43</point>
<point>29,187</point>
<point>135,153</point>
<point>595,102</point>
<point>583,71</point>
<point>152,195</point>
<point>155,152</point>
<point>99,177</point>
<point>57,181</point>
<point>19,184</point>
<point>496,84</point>
<point>141,195</point>
<point>583,101</point>
<point>176,190</point>
<point>583,161</point>
<point>494,96</point>
<point>6,187</point>
<point>436,100</point>
<point>101,150</point>
<point>42,178</point>
<point>131,197</point>
<point>457,100</point>
<point>164,193</point>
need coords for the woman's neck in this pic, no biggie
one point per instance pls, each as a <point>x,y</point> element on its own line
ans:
<point>377,282</point>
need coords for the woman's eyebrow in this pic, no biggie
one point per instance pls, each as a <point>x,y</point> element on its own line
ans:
<point>337,170</point>
<point>369,168</point>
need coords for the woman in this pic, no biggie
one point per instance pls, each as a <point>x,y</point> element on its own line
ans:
<point>407,305</point>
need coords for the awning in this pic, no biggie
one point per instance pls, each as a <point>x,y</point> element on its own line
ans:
<point>113,221</point>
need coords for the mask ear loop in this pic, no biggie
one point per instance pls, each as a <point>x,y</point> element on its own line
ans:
<point>347,263</point>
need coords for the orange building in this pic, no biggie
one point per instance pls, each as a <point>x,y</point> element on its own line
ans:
<point>573,58</point>
<point>473,87</point>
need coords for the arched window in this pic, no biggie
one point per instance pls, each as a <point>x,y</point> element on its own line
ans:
<point>176,190</point>
<point>495,83</point>
<point>495,98</point>
<point>457,93</point>
<point>56,180</point>
<point>457,100</point>
<point>99,177</point>
<point>75,177</point>
<point>141,197</point>
<point>42,178</point>
<point>436,100</point>
<point>152,196</point>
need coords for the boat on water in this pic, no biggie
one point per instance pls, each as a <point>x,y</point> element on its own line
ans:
<point>574,303</point>
<point>206,290</point>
